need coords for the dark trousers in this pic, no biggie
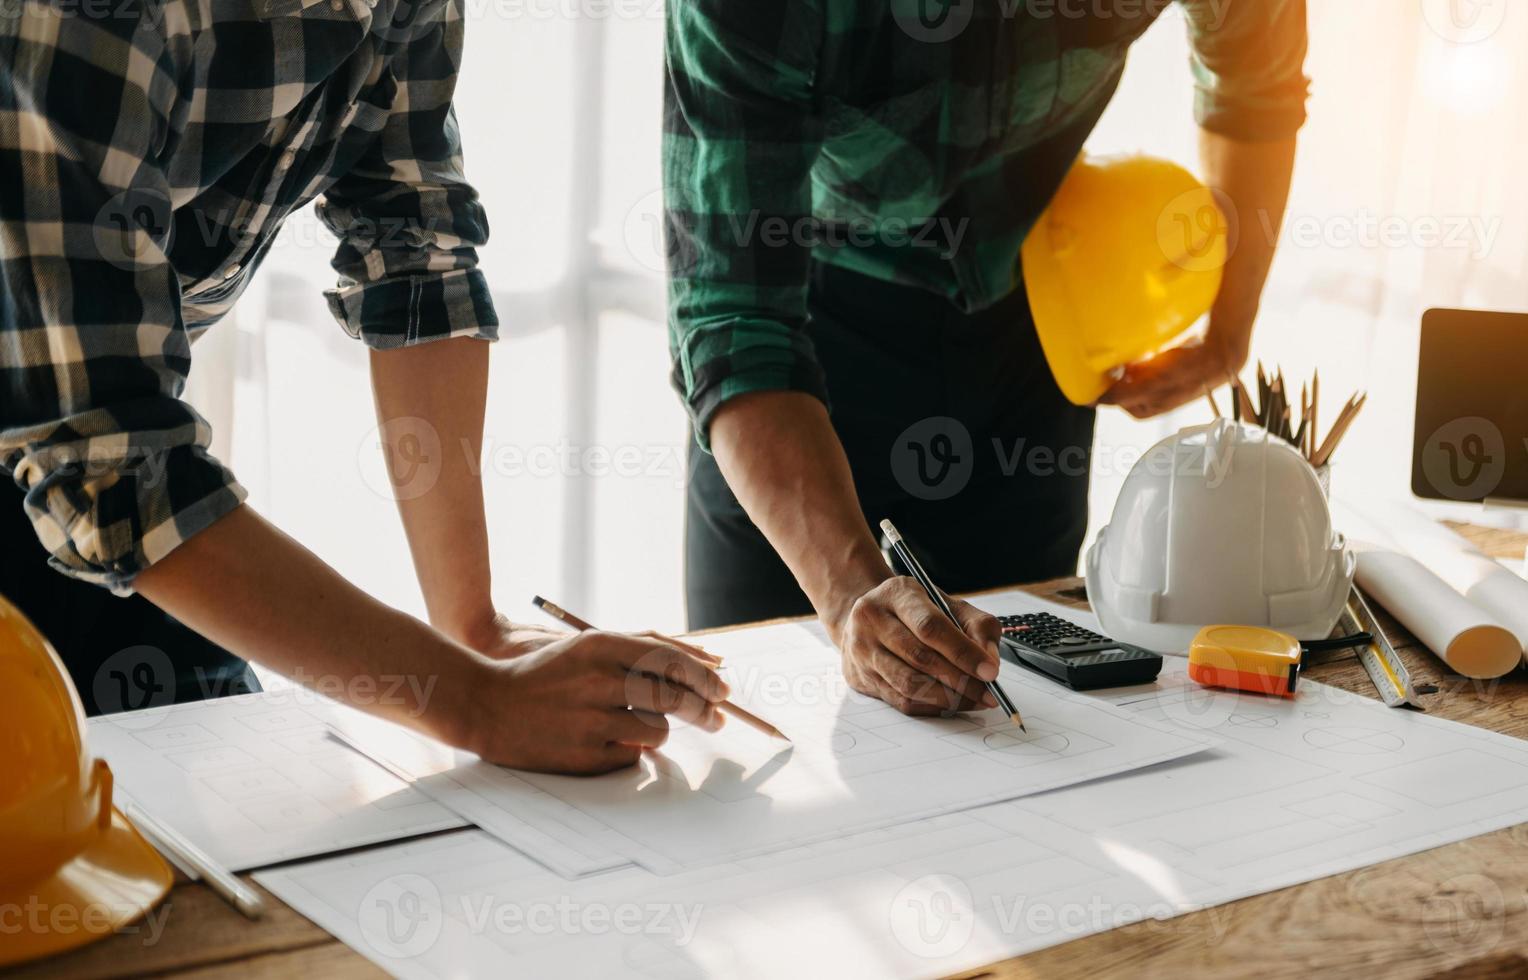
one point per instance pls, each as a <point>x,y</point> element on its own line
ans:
<point>954,429</point>
<point>122,653</point>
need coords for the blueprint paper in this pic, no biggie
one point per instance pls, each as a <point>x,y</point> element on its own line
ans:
<point>855,765</point>
<point>257,778</point>
<point>491,797</point>
<point>1294,790</point>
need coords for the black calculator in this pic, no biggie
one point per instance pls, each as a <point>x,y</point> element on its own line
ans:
<point>1079,658</point>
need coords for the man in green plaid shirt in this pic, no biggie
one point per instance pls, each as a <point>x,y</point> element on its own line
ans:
<point>848,185</point>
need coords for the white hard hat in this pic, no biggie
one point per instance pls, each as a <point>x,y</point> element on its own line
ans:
<point>1219,524</point>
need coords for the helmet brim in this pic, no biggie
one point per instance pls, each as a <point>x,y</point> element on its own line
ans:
<point>109,885</point>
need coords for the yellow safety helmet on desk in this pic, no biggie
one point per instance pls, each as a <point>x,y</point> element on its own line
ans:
<point>1127,256</point>
<point>73,869</point>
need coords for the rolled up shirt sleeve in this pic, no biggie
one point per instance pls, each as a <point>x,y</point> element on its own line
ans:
<point>741,133</point>
<point>409,224</point>
<point>93,350</point>
<point>1249,66</point>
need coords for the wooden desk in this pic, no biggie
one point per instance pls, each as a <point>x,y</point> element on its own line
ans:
<point>1457,911</point>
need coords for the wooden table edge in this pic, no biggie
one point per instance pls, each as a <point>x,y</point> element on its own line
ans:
<point>1137,949</point>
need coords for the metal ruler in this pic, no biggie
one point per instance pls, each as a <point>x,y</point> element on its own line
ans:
<point>1391,678</point>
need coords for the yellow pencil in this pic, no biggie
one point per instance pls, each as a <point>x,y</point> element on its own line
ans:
<point>741,714</point>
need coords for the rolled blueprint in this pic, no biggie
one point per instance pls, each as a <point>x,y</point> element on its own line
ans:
<point>1471,572</point>
<point>1468,638</point>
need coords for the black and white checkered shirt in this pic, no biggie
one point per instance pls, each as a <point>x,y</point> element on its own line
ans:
<point>149,152</point>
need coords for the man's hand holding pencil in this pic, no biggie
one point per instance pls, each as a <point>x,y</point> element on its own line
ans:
<point>588,702</point>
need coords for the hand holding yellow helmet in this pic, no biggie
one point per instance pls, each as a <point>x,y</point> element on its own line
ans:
<point>1127,256</point>
<point>74,870</point>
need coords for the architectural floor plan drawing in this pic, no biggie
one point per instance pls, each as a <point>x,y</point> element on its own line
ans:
<point>855,764</point>
<point>257,778</point>
<point>1293,790</point>
<point>562,837</point>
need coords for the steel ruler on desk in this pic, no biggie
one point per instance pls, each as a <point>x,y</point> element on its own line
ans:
<point>1385,668</point>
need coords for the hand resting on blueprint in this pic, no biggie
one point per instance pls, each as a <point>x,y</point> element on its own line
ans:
<point>899,647</point>
<point>588,703</point>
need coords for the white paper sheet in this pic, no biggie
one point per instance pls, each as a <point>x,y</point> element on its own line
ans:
<point>856,764</point>
<point>1296,790</point>
<point>493,798</point>
<point>256,779</point>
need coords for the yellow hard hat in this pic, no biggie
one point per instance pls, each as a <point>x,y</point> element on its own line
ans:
<point>1126,257</point>
<point>74,869</point>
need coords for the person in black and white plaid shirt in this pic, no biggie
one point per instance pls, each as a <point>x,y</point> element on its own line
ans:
<point>149,152</point>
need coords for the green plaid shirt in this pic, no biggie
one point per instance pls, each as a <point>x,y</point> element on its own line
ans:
<point>916,141</point>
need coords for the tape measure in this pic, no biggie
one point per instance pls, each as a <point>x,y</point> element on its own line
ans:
<point>1258,659</point>
<point>1385,668</point>
<point>1245,658</point>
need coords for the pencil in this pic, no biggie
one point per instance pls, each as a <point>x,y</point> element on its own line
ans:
<point>175,844</point>
<point>913,566</point>
<point>1315,400</point>
<point>1248,410</point>
<point>740,713</point>
<point>1339,429</point>
<point>563,616</point>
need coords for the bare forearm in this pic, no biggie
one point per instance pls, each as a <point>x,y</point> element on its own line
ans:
<point>430,402</point>
<point>248,587</point>
<point>782,458</point>
<point>1255,177</point>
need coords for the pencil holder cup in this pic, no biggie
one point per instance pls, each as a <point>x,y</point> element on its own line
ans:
<point>1324,477</point>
